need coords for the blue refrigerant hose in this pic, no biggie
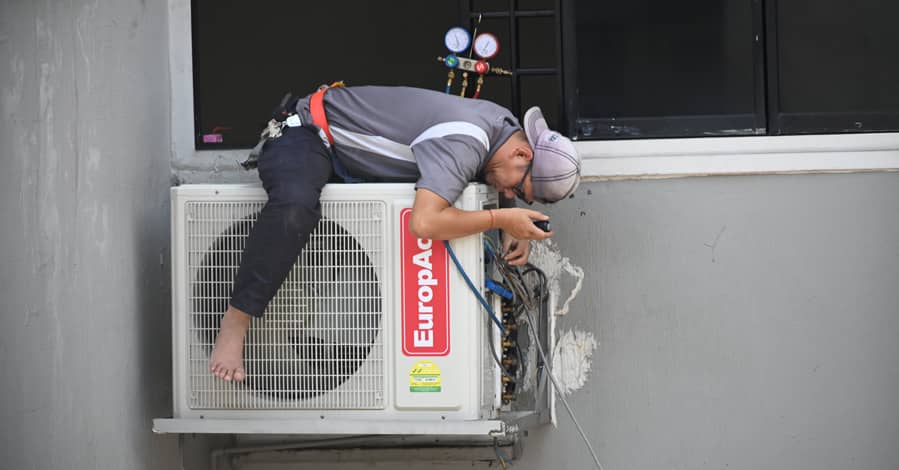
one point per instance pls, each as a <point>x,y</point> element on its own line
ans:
<point>472,286</point>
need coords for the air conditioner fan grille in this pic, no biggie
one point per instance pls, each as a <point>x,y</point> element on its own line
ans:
<point>319,343</point>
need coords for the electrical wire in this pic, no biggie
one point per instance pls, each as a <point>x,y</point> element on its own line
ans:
<point>492,253</point>
<point>519,291</point>
<point>502,458</point>
<point>499,363</point>
<point>471,285</point>
<point>561,396</point>
<point>506,271</point>
<point>532,328</point>
<point>483,302</point>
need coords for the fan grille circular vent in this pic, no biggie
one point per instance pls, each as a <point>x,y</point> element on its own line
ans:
<point>320,327</point>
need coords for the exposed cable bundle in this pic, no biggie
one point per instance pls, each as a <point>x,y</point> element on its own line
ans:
<point>524,300</point>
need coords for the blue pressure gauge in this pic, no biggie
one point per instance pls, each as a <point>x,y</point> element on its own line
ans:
<point>457,39</point>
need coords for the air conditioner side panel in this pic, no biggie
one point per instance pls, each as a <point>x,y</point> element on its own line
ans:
<point>449,379</point>
<point>179,303</point>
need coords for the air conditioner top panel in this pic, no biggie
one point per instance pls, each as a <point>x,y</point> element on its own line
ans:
<point>330,191</point>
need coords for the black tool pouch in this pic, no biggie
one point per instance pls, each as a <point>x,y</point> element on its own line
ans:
<point>285,109</point>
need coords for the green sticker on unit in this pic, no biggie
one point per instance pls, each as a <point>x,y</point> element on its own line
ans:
<point>424,377</point>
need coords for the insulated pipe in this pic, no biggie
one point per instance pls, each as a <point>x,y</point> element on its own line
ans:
<point>215,455</point>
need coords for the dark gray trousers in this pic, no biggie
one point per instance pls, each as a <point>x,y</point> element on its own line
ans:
<point>293,168</point>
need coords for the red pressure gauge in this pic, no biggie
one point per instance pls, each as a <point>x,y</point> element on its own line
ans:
<point>486,45</point>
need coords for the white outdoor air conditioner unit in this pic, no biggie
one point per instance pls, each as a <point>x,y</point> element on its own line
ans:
<point>373,332</point>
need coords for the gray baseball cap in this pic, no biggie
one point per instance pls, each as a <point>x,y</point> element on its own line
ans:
<point>556,169</point>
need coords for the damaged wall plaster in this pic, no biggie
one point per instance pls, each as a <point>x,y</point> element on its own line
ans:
<point>572,360</point>
<point>547,256</point>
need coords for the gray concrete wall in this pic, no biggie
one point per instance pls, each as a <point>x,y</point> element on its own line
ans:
<point>84,276</point>
<point>743,322</point>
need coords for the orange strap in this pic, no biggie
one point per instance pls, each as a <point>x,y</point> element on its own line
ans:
<point>317,109</point>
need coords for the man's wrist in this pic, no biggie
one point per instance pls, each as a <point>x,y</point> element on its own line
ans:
<point>497,220</point>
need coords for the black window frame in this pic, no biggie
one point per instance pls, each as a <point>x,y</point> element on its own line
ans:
<point>768,118</point>
<point>783,123</point>
<point>659,127</point>
<point>513,13</point>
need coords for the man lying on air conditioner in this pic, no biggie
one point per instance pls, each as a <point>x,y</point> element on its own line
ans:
<point>391,134</point>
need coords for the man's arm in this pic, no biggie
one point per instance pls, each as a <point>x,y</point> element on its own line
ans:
<point>434,218</point>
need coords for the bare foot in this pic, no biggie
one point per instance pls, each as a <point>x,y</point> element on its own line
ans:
<point>227,357</point>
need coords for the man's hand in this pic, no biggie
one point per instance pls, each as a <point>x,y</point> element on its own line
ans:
<point>515,251</point>
<point>434,218</point>
<point>519,223</point>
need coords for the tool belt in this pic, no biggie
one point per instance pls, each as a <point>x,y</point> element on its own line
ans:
<point>317,109</point>
<point>285,115</point>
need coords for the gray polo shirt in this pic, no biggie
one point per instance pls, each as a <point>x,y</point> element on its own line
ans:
<point>401,134</point>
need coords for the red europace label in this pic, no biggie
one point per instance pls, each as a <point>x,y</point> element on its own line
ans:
<point>424,273</point>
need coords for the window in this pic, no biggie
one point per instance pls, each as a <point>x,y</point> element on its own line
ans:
<point>833,66</point>
<point>650,68</point>
<point>530,31</point>
<point>247,55</point>
<point>600,69</point>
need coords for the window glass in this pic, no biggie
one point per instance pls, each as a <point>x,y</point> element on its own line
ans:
<point>543,91</point>
<point>489,5</point>
<point>649,68</point>
<point>246,56</point>
<point>537,42</point>
<point>838,63</point>
<point>536,4</point>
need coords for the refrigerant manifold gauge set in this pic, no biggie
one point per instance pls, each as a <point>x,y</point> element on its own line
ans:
<point>485,46</point>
